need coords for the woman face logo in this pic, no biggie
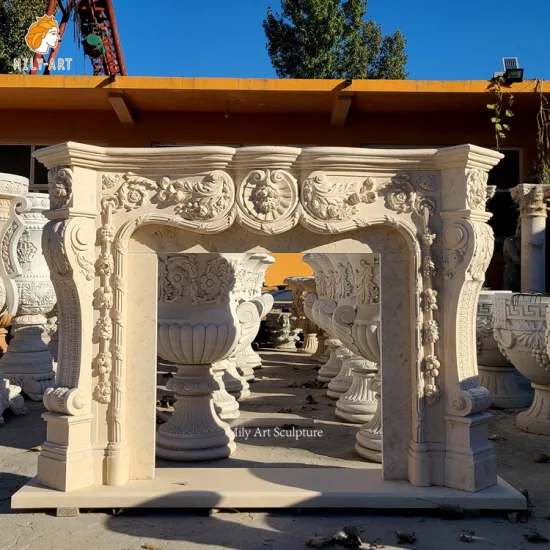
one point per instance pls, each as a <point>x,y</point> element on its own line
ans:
<point>43,35</point>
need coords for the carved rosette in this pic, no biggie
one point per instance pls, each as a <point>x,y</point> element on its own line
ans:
<point>268,201</point>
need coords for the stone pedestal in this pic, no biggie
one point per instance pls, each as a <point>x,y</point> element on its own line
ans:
<point>496,373</point>
<point>28,363</point>
<point>341,383</point>
<point>333,366</point>
<point>532,200</point>
<point>225,404</point>
<point>369,437</point>
<point>520,323</point>
<point>358,404</point>
<point>320,351</point>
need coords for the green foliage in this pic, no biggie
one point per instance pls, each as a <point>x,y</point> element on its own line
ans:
<point>499,110</point>
<point>16,16</point>
<point>332,39</point>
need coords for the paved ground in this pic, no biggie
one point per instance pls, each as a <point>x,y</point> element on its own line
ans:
<point>283,530</point>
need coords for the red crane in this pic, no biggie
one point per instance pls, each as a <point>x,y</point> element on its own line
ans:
<point>96,22</point>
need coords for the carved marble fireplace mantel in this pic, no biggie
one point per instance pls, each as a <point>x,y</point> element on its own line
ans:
<point>423,211</point>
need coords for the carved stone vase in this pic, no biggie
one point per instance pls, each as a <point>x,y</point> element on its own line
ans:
<point>301,287</point>
<point>520,325</point>
<point>253,277</point>
<point>496,373</point>
<point>321,313</point>
<point>282,335</point>
<point>28,363</point>
<point>203,320</point>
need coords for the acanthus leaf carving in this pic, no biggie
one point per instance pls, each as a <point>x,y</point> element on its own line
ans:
<point>60,186</point>
<point>477,189</point>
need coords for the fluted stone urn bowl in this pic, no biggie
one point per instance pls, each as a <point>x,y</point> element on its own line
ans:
<point>496,373</point>
<point>520,324</point>
<point>202,320</point>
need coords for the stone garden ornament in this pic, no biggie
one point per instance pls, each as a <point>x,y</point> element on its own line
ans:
<point>113,210</point>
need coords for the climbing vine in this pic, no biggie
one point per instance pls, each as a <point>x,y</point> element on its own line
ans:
<point>543,137</point>
<point>500,111</point>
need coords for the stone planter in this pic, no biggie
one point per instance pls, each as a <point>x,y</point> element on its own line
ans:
<point>28,363</point>
<point>253,277</point>
<point>496,373</point>
<point>203,320</point>
<point>520,323</point>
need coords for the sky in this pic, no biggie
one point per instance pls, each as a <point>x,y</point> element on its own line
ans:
<point>447,40</point>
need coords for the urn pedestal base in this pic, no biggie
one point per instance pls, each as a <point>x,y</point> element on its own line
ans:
<point>341,383</point>
<point>319,353</point>
<point>332,367</point>
<point>246,365</point>
<point>225,404</point>
<point>358,404</point>
<point>194,433</point>
<point>502,382</point>
<point>27,363</point>
<point>537,418</point>
<point>234,383</point>
<point>369,438</point>
<point>310,343</point>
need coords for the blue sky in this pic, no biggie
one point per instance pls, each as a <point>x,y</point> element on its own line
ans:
<point>447,40</point>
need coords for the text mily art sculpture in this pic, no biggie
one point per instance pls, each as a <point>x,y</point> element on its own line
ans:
<point>115,212</point>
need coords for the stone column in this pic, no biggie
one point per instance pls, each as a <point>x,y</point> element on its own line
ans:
<point>531,199</point>
<point>28,363</point>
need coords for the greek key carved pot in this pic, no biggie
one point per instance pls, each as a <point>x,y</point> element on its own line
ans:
<point>301,287</point>
<point>496,373</point>
<point>520,328</point>
<point>422,211</point>
<point>205,317</point>
<point>28,363</point>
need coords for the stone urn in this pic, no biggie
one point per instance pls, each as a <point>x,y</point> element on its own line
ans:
<point>203,320</point>
<point>520,324</point>
<point>254,275</point>
<point>301,287</point>
<point>496,373</point>
<point>27,362</point>
<point>281,334</point>
<point>321,312</point>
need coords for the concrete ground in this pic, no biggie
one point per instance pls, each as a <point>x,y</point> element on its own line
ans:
<point>281,529</point>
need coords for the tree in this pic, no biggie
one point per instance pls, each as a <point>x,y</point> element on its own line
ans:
<point>16,16</point>
<point>332,39</point>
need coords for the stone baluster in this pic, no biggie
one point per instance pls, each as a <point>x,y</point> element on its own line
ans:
<point>28,363</point>
<point>532,199</point>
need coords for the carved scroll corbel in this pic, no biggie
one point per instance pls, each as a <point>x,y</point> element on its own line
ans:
<point>68,401</point>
